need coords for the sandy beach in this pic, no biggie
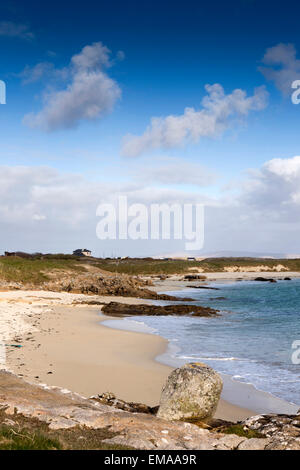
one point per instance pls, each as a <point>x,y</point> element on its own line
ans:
<point>66,346</point>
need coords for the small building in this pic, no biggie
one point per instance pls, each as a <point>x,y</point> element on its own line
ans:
<point>191,258</point>
<point>10,253</point>
<point>82,252</point>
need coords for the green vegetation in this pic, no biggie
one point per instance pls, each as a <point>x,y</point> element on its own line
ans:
<point>11,439</point>
<point>75,439</point>
<point>34,270</point>
<point>239,430</point>
<point>25,433</point>
<point>149,266</point>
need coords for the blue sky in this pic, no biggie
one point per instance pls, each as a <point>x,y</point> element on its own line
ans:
<point>66,121</point>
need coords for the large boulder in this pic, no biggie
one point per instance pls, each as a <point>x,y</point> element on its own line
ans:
<point>191,393</point>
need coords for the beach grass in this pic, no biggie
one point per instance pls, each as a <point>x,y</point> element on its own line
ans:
<point>149,266</point>
<point>11,439</point>
<point>34,270</point>
<point>238,430</point>
<point>146,266</point>
<point>78,439</point>
<point>26,433</point>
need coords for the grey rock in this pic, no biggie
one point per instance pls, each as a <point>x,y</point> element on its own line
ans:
<point>229,442</point>
<point>192,393</point>
<point>61,409</point>
<point>254,444</point>
<point>284,430</point>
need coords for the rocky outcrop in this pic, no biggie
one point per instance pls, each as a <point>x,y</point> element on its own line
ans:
<point>110,399</point>
<point>63,410</point>
<point>282,430</point>
<point>192,393</point>
<point>94,283</point>
<point>117,309</point>
<point>194,277</point>
<point>264,279</point>
<point>117,285</point>
<point>203,287</point>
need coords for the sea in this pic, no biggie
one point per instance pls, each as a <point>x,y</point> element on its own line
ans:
<point>255,340</point>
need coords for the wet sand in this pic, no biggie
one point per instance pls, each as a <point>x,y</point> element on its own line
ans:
<point>71,349</point>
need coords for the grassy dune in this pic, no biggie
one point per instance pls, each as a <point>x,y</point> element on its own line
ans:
<point>37,268</point>
<point>151,266</point>
<point>34,270</point>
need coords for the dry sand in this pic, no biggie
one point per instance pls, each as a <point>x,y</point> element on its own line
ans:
<point>67,346</point>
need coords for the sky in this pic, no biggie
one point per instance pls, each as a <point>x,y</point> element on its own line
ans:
<point>174,103</point>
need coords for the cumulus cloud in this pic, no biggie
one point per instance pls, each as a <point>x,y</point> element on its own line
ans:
<point>281,66</point>
<point>44,194</point>
<point>15,30</point>
<point>261,189</point>
<point>42,209</point>
<point>217,113</point>
<point>89,95</point>
<point>91,57</point>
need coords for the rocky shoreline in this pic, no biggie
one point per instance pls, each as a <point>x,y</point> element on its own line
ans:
<point>60,414</point>
<point>92,283</point>
<point>131,424</point>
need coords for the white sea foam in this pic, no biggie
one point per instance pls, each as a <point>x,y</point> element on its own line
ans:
<point>129,325</point>
<point>211,358</point>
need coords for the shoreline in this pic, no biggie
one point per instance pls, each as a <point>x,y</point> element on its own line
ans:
<point>71,349</point>
<point>226,410</point>
<point>238,399</point>
<point>238,393</point>
<point>78,353</point>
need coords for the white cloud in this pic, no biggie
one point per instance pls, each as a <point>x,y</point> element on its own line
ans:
<point>281,66</point>
<point>91,57</point>
<point>39,217</point>
<point>216,115</point>
<point>36,73</point>
<point>90,94</point>
<point>42,209</point>
<point>10,29</point>
<point>262,215</point>
<point>275,189</point>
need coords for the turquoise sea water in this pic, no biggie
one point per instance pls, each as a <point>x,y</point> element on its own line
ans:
<point>251,341</point>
